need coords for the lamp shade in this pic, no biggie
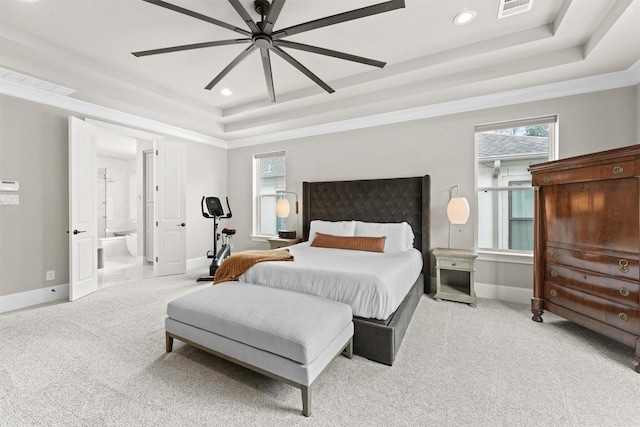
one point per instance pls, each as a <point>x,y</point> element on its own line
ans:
<point>458,210</point>
<point>283,208</point>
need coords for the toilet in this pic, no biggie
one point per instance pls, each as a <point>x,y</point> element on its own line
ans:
<point>132,243</point>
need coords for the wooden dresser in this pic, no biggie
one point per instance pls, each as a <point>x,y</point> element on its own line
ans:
<point>587,242</point>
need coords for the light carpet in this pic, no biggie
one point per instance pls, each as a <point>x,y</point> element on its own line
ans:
<point>101,361</point>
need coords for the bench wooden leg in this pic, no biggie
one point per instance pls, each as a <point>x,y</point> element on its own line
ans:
<point>306,400</point>
<point>168,342</point>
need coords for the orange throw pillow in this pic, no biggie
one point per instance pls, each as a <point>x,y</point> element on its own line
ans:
<point>358,243</point>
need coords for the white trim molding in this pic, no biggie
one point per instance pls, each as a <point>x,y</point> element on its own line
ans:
<point>508,257</point>
<point>504,293</point>
<point>30,298</point>
<point>197,263</point>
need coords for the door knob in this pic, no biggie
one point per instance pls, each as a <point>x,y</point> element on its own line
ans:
<point>78,231</point>
<point>182,225</point>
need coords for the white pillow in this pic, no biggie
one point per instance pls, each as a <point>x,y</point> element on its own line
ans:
<point>399,235</point>
<point>335,228</point>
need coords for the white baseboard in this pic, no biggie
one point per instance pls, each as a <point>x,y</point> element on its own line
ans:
<point>201,262</point>
<point>498,292</point>
<point>35,297</point>
<point>61,292</point>
<point>503,293</point>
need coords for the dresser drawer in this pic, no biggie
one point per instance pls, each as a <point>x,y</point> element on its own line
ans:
<point>620,291</point>
<point>624,268</point>
<point>616,315</point>
<point>455,264</point>
<point>623,169</point>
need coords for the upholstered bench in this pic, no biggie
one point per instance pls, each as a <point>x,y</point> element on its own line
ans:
<point>286,335</point>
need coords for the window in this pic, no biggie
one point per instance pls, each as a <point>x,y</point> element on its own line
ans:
<point>504,152</point>
<point>269,177</point>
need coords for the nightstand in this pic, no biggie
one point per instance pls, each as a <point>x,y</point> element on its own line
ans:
<point>454,275</point>
<point>277,242</point>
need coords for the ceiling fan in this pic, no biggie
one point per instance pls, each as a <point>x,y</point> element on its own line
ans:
<point>261,36</point>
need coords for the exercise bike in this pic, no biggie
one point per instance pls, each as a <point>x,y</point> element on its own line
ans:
<point>215,211</point>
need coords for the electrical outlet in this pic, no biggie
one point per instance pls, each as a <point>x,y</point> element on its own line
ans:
<point>51,275</point>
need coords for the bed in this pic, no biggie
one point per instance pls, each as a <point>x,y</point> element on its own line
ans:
<point>378,331</point>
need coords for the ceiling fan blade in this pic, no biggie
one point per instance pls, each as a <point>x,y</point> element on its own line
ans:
<point>245,15</point>
<point>329,52</point>
<point>230,67</point>
<point>340,17</point>
<point>189,47</point>
<point>272,16</point>
<point>198,16</point>
<point>284,55</point>
<point>268,76</point>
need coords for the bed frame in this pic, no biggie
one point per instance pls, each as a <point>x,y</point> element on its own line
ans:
<point>377,200</point>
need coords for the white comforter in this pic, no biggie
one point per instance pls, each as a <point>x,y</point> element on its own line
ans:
<point>373,284</point>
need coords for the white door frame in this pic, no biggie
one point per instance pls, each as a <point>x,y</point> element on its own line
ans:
<point>75,291</point>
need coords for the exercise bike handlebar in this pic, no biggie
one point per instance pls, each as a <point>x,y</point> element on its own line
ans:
<point>229,215</point>
<point>218,211</point>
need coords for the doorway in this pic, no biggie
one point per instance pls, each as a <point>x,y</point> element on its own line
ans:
<point>122,184</point>
<point>167,184</point>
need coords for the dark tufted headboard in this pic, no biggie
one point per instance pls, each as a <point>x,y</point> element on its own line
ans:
<point>373,200</point>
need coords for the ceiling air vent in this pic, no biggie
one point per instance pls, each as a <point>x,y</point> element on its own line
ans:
<point>32,82</point>
<point>512,7</point>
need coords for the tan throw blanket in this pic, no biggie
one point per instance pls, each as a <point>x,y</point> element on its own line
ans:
<point>236,264</point>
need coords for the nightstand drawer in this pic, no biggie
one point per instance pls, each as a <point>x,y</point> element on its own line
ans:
<point>455,263</point>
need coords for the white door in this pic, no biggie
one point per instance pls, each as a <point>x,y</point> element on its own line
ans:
<point>170,208</point>
<point>149,194</point>
<point>83,203</point>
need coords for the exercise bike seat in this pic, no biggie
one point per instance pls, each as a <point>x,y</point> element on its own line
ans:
<point>229,231</point>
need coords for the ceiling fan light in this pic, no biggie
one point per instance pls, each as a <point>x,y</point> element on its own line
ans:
<point>226,91</point>
<point>464,17</point>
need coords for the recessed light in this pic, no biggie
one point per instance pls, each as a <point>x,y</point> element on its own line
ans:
<point>226,92</point>
<point>464,17</point>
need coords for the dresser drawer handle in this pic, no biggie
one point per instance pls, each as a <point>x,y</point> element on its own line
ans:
<point>618,169</point>
<point>623,266</point>
<point>554,254</point>
<point>624,292</point>
<point>623,317</point>
<point>585,188</point>
<point>546,179</point>
<point>554,273</point>
<point>553,293</point>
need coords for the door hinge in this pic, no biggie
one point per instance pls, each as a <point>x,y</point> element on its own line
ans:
<point>156,259</point>
<point>156,223</point>
<point>156,188</point>
<point>156,152</point>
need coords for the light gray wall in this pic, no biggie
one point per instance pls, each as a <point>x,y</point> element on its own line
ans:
<point>442,147</point>
<point>206,176</point>
<point>34,151</point>
<point>33,234</point>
